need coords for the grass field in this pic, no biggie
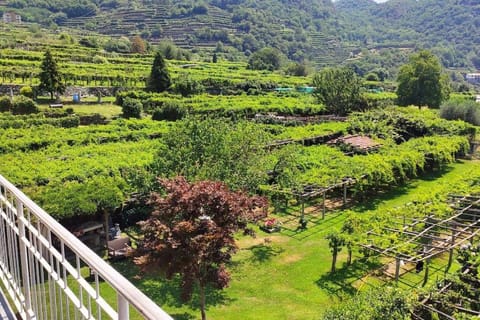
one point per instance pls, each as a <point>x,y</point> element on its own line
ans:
<point>286,275</point>
<point>107,109</point>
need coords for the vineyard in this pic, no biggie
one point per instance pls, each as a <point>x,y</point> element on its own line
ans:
<point>385,200</point>
<point>22,53</point>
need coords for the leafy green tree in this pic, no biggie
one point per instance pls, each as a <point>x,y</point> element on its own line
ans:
<point>50,78</point>
<point>338,89</point>
<point>349,228</point>
<point>192,230</point>
<point>458,109</point>
<point>138,45</point>
<point>159,79</point>
<point>88,197</point>
<point>286,172</point>
<point>265,59</point>
<point>214,149</point>
<point>335,241</point>
<point>297,69</point>
<point>421,81</point>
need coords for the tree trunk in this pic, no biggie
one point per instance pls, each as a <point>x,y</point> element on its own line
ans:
<point>51,95</point>
<point>334,260</point>
<point>107,230</point>
<point>202,302</point>
<point>349,260</point>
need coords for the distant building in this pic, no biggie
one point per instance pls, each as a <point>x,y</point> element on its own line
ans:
<point>473,77</point>
<point>12,17</point>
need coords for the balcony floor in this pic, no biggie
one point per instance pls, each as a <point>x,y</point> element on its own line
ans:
<point>6,312</point>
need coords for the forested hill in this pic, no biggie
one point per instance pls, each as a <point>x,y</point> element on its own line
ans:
<point>450,28</point>
<point>326,32</point>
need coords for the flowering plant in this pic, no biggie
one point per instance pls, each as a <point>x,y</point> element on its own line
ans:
<point>271,223</point>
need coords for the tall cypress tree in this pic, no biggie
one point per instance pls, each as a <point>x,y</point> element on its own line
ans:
<point>159,79</point>
<point>50,78</point>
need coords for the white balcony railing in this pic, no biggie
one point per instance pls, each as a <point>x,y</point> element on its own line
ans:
<point>41,266</point>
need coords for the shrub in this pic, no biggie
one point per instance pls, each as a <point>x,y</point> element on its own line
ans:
<point>186,86</point>
<point>5,104</point>
<point>297,69</point>
<point>69,122</point>
<point>372,77</point>
<point>265,59</point>
<point>468,111</point>
<point>170,111</point>
<point>27,91</point>
<point>132,108</point>
<point>24,105</point>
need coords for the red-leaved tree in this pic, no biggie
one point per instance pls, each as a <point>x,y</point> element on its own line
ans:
<point>191,232</point>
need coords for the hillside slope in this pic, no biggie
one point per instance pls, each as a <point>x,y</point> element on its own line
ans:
<point>360,32</point>
<point>449,28</point>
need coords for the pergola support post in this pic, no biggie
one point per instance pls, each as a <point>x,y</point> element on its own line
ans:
<point>323,206</point>
<point>450,253</point>
<point>397,268</point>
<point>425,277</point>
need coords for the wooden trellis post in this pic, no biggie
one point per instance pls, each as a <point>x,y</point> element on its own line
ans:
<point>397,268</point>
<point>450,254</point>
<point>303,209</point>
<point>323,206</point>
<point>425,278</point>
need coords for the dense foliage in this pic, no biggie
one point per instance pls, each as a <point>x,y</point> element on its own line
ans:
<point>213,149</point>
<point>131,108</point>
<point>265,59</point>
<point>159,79</point>
<point>24,105</point>
<point>468,111</point>
<point>338,89</point>
<point>421,82</point>
<point>402,124</point>
<point>383,303</point>
<point>50,78</point>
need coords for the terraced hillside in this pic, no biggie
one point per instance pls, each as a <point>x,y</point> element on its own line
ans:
<point>321,31</point>
<point>292,27</point>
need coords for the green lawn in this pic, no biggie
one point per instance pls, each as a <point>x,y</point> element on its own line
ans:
<point>286,275</point>
<point>106,109</point>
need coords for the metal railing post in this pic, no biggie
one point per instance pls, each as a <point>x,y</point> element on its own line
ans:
<point>24,260</point>
<point>123,309</point>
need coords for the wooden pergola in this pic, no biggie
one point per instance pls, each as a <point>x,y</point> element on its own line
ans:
<point>308,141</point>
<point>437,235</point>
<point>311,191</point>
<point>427,302</point>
